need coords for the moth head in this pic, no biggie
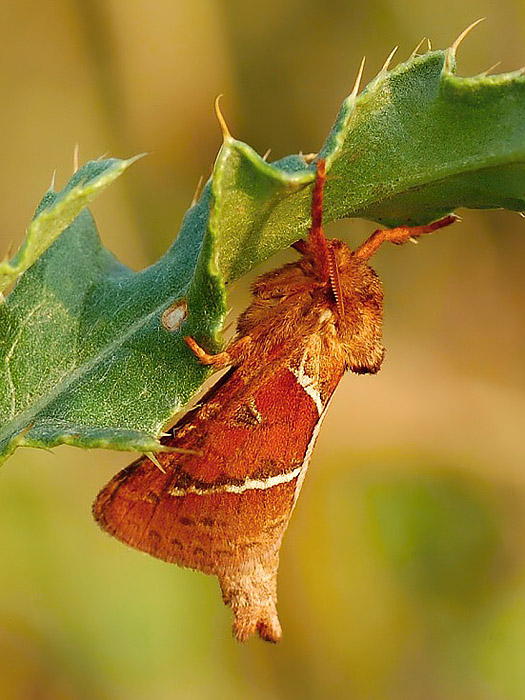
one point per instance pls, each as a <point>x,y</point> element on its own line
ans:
<point>357,296</point>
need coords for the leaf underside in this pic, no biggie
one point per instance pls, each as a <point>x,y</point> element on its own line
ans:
<point>87,360</point>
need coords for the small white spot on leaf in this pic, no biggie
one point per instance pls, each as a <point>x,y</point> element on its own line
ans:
<point>174,316</point>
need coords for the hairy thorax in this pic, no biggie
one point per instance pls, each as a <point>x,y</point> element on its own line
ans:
<point>289,306</point>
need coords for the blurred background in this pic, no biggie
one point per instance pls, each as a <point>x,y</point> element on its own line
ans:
<point>403,571</point>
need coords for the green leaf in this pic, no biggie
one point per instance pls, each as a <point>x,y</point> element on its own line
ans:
<point>87,358</point>
<point>56,212</point>
<point>416,144</point>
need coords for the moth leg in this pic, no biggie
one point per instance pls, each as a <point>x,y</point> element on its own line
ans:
<point>235,353</point>
<point>317,246</point>
<point>399,235</point>
<point>221,359</point>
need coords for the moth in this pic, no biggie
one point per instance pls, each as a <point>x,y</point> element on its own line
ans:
<point>222,502</point>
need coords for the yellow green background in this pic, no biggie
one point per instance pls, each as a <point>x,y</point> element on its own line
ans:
<point>403,572</point>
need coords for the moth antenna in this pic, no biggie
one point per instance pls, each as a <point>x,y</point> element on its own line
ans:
<point>318,246</point>
<point>226,135</point>
<point>335,283</point>
<point>265,156</point>
<point>318,196</point>
<point>53,179</point>
<point>414,52</point>
<point>429,45</point>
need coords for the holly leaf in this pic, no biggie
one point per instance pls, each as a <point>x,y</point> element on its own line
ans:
<point>93,352</point>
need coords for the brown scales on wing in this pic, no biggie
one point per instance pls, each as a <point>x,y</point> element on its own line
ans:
<point>186,516</point>
<point>223,509</point>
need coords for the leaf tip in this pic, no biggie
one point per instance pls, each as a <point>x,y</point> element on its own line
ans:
<point>133,159</point>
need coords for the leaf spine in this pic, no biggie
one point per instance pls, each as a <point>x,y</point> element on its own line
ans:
<point>226,135</point>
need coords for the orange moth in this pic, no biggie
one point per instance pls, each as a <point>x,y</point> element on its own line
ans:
<point>222,502</point>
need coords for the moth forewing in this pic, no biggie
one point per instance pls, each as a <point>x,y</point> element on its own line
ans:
<point>224,501</point>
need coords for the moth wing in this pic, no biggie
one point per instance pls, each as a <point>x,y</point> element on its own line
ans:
<point>224,508</point>
<point>236,487</point>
